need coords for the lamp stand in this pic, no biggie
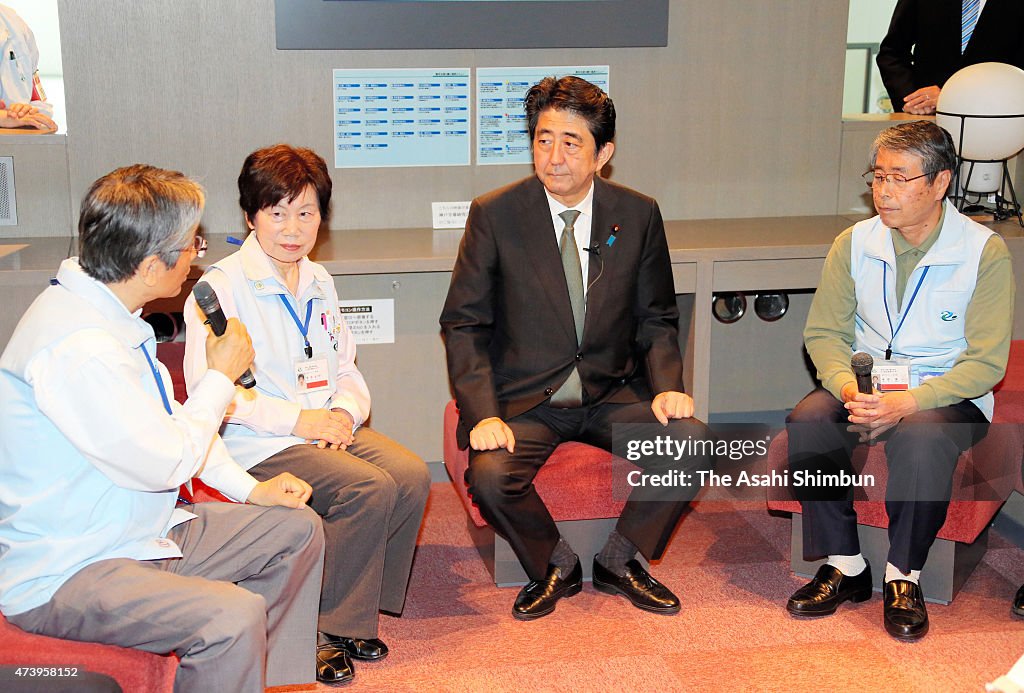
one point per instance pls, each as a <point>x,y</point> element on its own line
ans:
<point>1005,207</point>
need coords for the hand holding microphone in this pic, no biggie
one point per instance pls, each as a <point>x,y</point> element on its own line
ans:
<point>228,349</point>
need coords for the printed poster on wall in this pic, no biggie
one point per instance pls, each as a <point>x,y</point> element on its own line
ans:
<point>501,135</point>
<point>370,320</point>
<point>401,117</point>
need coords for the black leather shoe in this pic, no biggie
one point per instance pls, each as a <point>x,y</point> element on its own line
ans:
<point>539,597</point>
<point>1018,602</point>
<point>371,650</point>
<point>829,588</point>
<point>637,585</point>
<point>905,615</point>
<point>333,665</point>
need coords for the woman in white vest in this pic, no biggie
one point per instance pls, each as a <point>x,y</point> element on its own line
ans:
<point>306,412</point>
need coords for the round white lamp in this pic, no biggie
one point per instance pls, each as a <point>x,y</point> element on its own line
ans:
<point>982,107</point>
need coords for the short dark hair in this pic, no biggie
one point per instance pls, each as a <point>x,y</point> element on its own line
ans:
<point>922,138</point>
<point>574,95</point>
<point>132,213</point>
<point>282,172</point>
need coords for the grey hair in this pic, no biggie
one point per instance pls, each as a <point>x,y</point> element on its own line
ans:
<point>922,138</point>
<point>132,213</point>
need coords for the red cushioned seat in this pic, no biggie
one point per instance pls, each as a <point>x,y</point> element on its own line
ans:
<point>172,355</point>
<point>975,500</point>
<point>1010,395</point>
<point>134,670</point>
<point>575,483</point>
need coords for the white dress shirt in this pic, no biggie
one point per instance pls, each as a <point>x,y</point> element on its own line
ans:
<point>581,229</point>
<point>90,460</point>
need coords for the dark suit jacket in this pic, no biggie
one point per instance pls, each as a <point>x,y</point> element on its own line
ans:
<point>923,44</point>
<point>508,322</point>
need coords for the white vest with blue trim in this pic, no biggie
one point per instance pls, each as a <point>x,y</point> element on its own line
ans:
<point>932,331</point>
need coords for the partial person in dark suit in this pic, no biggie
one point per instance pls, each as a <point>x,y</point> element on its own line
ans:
<point>926,44</point>
<point>537,356</point>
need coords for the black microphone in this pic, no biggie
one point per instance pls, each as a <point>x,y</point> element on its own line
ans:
<point>862,363</point>
<point>206,297</point>
<point>594,249</point>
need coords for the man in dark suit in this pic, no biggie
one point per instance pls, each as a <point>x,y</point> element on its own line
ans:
<point>929,40</point>
<point>538,356</point>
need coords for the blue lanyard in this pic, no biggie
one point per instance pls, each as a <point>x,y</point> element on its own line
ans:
<point>303,327</point>
<point>157,378</point>
<point>906,310</point>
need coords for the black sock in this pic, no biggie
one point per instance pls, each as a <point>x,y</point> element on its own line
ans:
<point>617,551</point>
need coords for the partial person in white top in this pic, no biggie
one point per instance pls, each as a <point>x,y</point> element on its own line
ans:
<point>23,102</point>
<point>93,449</point>
<point>306,413</point>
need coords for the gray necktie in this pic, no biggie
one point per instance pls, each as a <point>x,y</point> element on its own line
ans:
<point>570,394</point>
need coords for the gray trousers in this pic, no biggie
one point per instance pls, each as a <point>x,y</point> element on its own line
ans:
<point>371,498</point>
<point>244,593</point>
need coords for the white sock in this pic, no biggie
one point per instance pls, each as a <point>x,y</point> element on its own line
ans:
<point>848,565</point>
<point>894,573</point>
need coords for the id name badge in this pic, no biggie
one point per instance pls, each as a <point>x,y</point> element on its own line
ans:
<point>312,375</point>
<point>890,377</point>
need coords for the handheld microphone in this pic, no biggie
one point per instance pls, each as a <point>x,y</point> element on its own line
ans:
<point>862,363</point>
<point>206,297</point>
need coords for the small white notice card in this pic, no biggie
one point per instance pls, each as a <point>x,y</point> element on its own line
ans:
<point>450,215</point>
<point>371,320</point>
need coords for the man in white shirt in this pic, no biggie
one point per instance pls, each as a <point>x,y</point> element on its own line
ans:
<point>93,448</point>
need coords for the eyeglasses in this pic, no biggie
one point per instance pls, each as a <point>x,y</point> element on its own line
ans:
<point>198,245</point>
<point>878,178</point>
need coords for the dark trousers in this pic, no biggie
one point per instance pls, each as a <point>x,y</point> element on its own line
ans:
<point>921,453</point>
<point>501,484</point>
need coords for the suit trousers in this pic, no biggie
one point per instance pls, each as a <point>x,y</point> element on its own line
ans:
<point>243,594</point>
<point>921,454</point>
<point>502,486</point>
<point>371,498</point>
